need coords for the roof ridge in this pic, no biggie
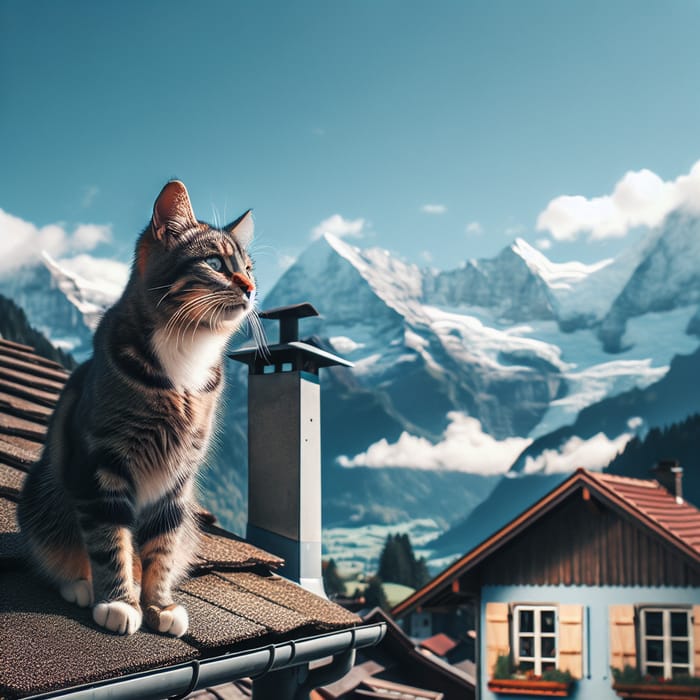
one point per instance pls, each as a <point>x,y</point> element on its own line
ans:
<point>620,478</point>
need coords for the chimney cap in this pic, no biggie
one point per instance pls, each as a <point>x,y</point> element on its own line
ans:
<point>290,351</point>
<point>667,466</point>
<point>303,310</point>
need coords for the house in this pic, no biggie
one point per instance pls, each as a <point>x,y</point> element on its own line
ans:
<point>601,573</point>
<point>397,667</point>
<point>246,620</point>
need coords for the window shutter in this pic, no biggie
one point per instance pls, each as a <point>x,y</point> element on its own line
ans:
<point>623,650</point>
<point>696,639</point>
<point>571,639</point>
<point>497,633</point>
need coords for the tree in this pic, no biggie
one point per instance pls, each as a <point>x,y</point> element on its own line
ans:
<point>331,580</point>
<point>374,594</point>
<point>398,563</point>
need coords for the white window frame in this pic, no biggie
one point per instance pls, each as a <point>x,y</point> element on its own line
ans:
<point>667,664</point>
<point>537,636</point>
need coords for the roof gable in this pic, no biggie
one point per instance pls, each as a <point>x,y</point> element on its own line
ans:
<point>644,503</point>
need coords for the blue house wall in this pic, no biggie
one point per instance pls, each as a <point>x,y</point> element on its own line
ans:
<point>596,683</point>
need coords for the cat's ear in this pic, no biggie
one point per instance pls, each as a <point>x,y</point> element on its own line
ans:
<point>172,211</point>
<point>242,228</point>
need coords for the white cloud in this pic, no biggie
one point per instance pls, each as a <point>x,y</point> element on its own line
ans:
<point>339,226</point>
<point>543,243</point>
<point>89,194</point>
<point>433,208</point>
<point>345,345</point>
<point>474,228</point>
<point>285,261</point>
<point>89,236</point>
<point>640,198</point>
<point>464,447</point>
<point>108,275</point>
<point>21,242</point>
<point>594,453</point>
<point>514,231</point>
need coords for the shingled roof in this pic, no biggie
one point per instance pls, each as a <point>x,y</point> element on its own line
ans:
<point>244,618</point>
<point>647,498</point>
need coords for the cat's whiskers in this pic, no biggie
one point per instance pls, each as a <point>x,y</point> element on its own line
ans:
<point>258,333</point>
<point>186,307</point>
<point>173,320</point>
<point>173,323</point>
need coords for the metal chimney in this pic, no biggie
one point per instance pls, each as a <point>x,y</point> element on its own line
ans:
<point>669,473</point>
<point>284,447</point>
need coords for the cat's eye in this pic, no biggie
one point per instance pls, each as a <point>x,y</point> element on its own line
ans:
<point>215,263</point>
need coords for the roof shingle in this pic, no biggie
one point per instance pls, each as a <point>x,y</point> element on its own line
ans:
<point>647,496</point>
<point>234,599</point>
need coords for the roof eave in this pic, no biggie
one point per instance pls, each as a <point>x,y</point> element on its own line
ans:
<point>185,678</point>
<point>578,479</point>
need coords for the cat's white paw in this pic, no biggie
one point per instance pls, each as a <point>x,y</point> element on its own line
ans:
<point>117,616</point>
<point>78,592</point>
<point>172,619</point>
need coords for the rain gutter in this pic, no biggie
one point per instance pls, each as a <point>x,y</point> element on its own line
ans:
<point>179,681</point>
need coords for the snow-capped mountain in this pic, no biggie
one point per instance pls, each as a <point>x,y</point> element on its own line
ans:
<point>48,309</point>
<point>63,304</point>
<point>666,278</point>
<point>457,373</point>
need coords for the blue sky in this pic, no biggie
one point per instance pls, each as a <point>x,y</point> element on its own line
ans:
<point>439,130</point>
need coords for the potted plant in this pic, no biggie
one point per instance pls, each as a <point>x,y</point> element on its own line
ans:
<point>506,681</point>
<point>630,683</point>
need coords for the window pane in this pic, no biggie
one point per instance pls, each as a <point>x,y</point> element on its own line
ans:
<point>679,624</point>
<point>527,621</point>
<point>679,652</point>
<point>655,650</point>
<point>527,647</point>
<point>548,647</point>
<point>547,621</point>
<point>654,624</point>
<point>526,666</point>
<point>679,671</point>
<point>548,666</point>
<point>656,671</point>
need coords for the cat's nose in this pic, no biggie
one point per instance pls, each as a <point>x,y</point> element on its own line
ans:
<point>244,283</point>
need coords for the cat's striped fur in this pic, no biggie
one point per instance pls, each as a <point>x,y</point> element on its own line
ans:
<point>108,511</point>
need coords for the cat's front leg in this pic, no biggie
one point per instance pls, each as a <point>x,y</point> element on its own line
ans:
<point>165,537</point>
<point>106,526</point>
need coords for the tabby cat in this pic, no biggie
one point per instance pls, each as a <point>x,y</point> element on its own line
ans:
<point>108,511</point>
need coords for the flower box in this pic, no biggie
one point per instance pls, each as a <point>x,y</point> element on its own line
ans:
<point>657,691</point>
<point>525,686</point>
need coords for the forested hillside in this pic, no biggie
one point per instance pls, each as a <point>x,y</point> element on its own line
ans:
<point>14,326</point>
<point>679,441</point>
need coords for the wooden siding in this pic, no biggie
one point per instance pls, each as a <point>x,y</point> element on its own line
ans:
<point>584,542</point>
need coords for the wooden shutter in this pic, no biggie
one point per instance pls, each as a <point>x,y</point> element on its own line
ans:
<point>623,650</point>
<point>571,639</point>
<point>696,640</point>
<point>497,634</point>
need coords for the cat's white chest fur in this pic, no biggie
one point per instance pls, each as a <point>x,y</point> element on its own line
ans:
<point>188,360</point>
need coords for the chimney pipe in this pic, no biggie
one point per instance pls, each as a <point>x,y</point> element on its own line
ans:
<point>284,447</point>
<point>669,474</point>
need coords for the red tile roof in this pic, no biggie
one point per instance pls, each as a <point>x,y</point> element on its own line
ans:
<point>644,500</point>
<point>649,499</point>
<point>440,644</point>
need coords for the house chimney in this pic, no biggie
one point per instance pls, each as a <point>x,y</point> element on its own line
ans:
<point>284,447</point>
<point>669,474</point>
